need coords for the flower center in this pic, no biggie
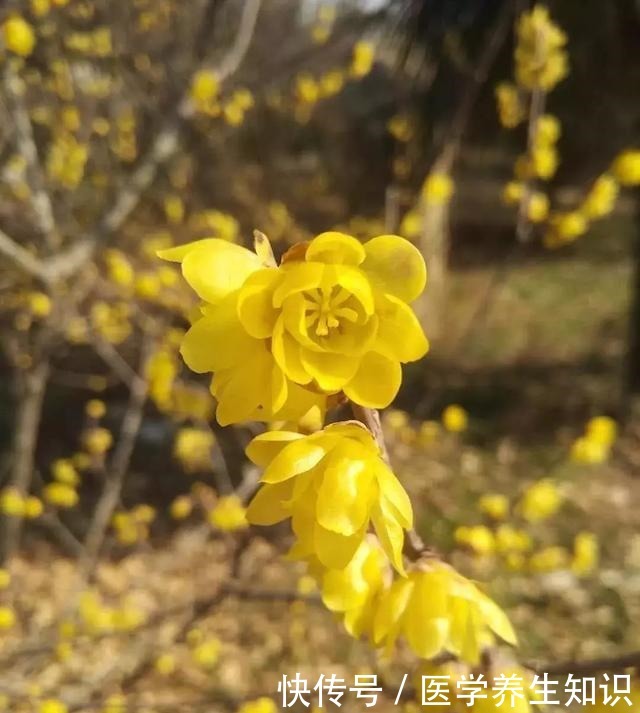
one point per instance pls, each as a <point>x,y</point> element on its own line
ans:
<point>326,307</point>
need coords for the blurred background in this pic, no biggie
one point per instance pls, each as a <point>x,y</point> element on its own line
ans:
<point>129,578</point>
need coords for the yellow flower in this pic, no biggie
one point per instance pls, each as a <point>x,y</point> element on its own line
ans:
<point>478,538</point>
<point>192,447</point>
<point>511,110</point>
<point>626,168</point>
<point>512,192</point>
<point>229,514</point>
<point>538,207</point>
<point>544,160</point>
<point>165,664</point>
<point>589,451</point>
<point>437,610</point>
<point>95,408</point>
<point>332,484</point>
<point>259,705</point>
<point>181,507</point>
<point>207,653</point>
<point>511,540</point>
<point>52,705</point>
<point>363,58</point>
<point>549,559</point>
<point>7,618</point>
<point>12,502</point>
<point>33,507</point>
<point>548,130</point>
<point>601,199</point>
<point>64,471</point>
<point>18,35</point>
<point>325,321</point>
<point>455,419</point>
<point>205,87</point>
<point>412,224</point>
<point>119,269</point>
<point>39,304</point>
<point>495,505</point>
<point>566,227</point>
<point>602,429</point>
<point>437,188</point>
<point>541,501</point>
<point>61,494</point>
<point>401,128</point>
<point>5,578</point>
<point>307,89</point>
<point>97,441</point>
<point>585,553</point>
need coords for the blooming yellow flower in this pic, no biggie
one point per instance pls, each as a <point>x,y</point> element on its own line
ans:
<point>601,199</point>
<point>7,618</point>
<point>548,130</point>
<point>537,207</point>
<point>279,339</point>
<point>478,538</point>
<point>61,494</point>
<point>585,553</point>
<point>511,540</point>
<point>363,59</point>
<point>229,514</point>
<point>565,228</point>
<point>495,505</point>
<point>18,35</point>
<point>207,653</point>
<point>437,188</point>
<point>259,705</point>
<point>64,471</point>
<point>165,664</point>
<point>602,429</point>
<point>192,447</point>
<point>181,507</point>
<point>455,419</point>
<point>437,610</point>
<point>540,501</point>
<point>205,87</point>
<point>511,110</point>
<point>33,507</point>
<point>97,441</point>
<point>332,484</point>
<point>12,502</point>
<point>549,559</point>
<point>626,168</point>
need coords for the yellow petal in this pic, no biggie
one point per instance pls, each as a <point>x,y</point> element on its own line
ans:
<point>400,336</point>
<point>425,623</point>
<point>265,447</point>
<point>286,352</point>
<point>390,534</point>
<point>179,253</point>
<point>255,303</point>
<point>393,604</point>
<point>335,551</point>
<point>497,620</point>
<point>279,389</point>
<point>356,431</point>
<point>216,268</point>
<point>336,248</point>
<point>331,371</point>
<point>395,266</point>
<point>217,340</point>
<point>346,491</point>
<point>376,382</point>
<point>295,458</point>
<point>269,504</point>
<point>301,403</point>
<point>298,277</point>
<point>354,280</point>
<point>395,495</point>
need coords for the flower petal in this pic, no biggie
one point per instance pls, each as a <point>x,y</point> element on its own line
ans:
<point>335,248</point>
<point>295,458</point>
<point>335,551</point>
<point>395,266</point>
<point>393,604</point>
<point>217,340</point>
<point>390,534</point>
<point>331,371</point>
<point>265,447</point>
<point>395,495</point>
<point>269,504</point>
<point>286,352</point>
<point>376,382</point>
<point>179,252</point>
<point>346,491</point>
<point>298,277</point>
<point>255,303</point>
<point>216,268</point>
<point>400,336</point>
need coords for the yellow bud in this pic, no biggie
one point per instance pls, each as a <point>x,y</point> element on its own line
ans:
<point>18,36</point>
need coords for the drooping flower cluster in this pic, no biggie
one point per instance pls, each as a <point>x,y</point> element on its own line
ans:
<point>280,340</point>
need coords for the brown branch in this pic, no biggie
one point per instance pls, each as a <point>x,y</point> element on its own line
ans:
<point>33,384</point>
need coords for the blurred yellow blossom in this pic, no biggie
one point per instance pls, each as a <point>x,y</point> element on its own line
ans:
<point>18,35</point>
<point>61,495</point>
<point>192,447</point>
<point>626,168</point>
<point>585,553</point>
<point>478,538</point>
<point>229,514</point>
<point>511,110</point>
<point>207,653</point>
<point>437,188</point>
<point>541,500</point>
<point>455,418</point>
<point>7,618</point>
<point>495,505</point>
<point>363,58</point>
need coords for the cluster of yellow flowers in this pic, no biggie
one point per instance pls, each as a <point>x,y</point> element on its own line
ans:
<point>205,95</point>
<point>289,341</point>
<point>540,56</point>
<point>321,29</point>
<point>132,526</point>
